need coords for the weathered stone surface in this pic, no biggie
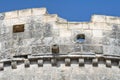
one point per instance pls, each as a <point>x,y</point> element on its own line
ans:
<point>95,49</point>
<point>61,73</point>
<point>42,30</point>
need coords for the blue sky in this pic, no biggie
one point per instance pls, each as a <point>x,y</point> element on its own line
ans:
<point>72,10</point>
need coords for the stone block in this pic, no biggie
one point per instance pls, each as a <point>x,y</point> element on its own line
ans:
<point>48,30</point>
<point>1,66</point>
<point>98,26</point>
<point>111,50</point>
<point>60,26</point>
<point>77,48</point>
<point>97,40</point>
<point>21,50</point>
<point>50,18</point>
<point>76,26</point>
<point>95,62</point>
<point>67,62</point>
<point>5,54</point>
<point>85,26</point>
<point>55,32</point>
<point>40,49</point>
<point>12,14</point>
<point>108,63</point>
<point>98,18</point>
<point>40,63</point>
<point>14,65</point>
<point>4,30</point>
<point>65,33</point>
<point>66,49</point>
<point>81,62</point>
<point>25,12</point>
<point>118,35</point>
<point>106,41</point>
<point>47,40</point>
<point>53,62</point>
<point>39,11</point>
<point>26,63</point>
<point>97,33</point>
<point>111,19</point>
<point>95,49</point>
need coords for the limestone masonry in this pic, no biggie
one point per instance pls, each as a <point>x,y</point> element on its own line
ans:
<point>35,45</point>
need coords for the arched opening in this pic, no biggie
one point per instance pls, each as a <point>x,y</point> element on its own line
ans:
<point>80,38</point>
<point>55,49</point>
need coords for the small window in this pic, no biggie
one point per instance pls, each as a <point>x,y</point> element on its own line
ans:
<point>80,38</point>
<point>18,28</point>
<point>55,48</point>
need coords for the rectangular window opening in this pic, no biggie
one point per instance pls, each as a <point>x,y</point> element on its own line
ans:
<point>18,28</point>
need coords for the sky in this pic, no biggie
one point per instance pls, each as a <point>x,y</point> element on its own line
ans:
<point>71,10</point>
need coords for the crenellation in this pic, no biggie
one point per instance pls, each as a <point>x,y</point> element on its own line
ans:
<point>39,11</point>
<point>25,12</point>
<point>12,14</point>
<point>98,18</point>
<point>105,19</point>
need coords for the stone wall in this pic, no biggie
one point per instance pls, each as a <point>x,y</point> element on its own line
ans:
<point>64,67</point>
<point>60,73</point>
<point>42,30</point>
<point>28,54</point>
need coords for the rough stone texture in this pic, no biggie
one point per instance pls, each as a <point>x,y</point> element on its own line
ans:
<point>42,30</point>
<point>47,72</point>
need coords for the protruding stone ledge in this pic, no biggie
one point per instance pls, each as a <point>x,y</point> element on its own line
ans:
<point>81,62</point>
<point>14,64</point>
<point>53,62</point>
<point>40,62</point>
<point>1,66</point>
<point>67,61</point>
<point>27,63</point>
<point>108,63</point>
<point>94,60</point>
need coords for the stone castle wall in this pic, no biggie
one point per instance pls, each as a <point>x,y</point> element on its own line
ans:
<point>99,47</point>
<point>42,30</point>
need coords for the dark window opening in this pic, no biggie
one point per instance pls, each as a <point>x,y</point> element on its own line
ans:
<point>55,48</point>
<point>18,28</point>
<point>80,37</point>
